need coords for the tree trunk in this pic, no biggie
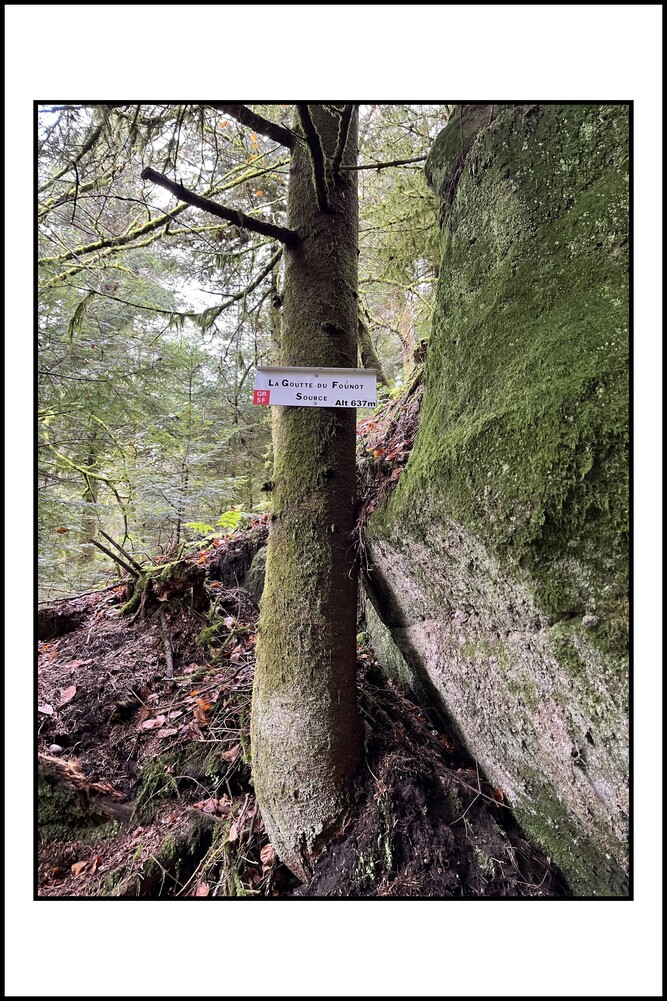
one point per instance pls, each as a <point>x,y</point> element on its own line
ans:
<point>306,729</point>
<point>368,355</point>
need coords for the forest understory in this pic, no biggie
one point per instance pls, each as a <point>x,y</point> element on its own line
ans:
<point>144,784</point>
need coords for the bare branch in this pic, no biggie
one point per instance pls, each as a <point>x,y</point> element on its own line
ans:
<point>234,216</point>
<point>121,551</point>
<point>388,163</point>
<point>266,128</point>
<point>116,559</point>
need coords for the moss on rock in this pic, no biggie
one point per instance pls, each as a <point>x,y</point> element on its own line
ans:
<point>518,482</point>
<point>64,815</point>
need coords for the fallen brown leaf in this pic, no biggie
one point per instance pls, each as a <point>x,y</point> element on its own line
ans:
<point>202,890</point>
<point>166,732</point>
<point>201,717</point>
<point>232,754</point>
<point>150,724</point>
<point>78,868</point>
<point>268,856</point>
<point>67,694</point>
<point>47,710</point>
<point>224,805</point>
<point>207,805</point>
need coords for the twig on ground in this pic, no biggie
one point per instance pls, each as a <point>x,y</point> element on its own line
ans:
<point>167,645</point>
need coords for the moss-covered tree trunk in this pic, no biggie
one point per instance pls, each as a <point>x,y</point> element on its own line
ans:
<point>306,730</point>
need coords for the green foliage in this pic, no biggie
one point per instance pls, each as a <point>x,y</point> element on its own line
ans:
<point>230,521</point>
<point>151,321</point>
<point>75,324</point>
<point>399,235</point>
<point>199,527</point>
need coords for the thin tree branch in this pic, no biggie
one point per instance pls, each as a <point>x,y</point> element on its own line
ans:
<point>254,121</point>
<point>210,314</point>
<point>110,245</point>
<point>214,312</point>
<point>116,559</point>
<point>234,216</point>
<point>316,156</point>
<point>388,163</point>
<point>168,653</point>
<point>53,203</point>
<point>93,136</point>
<point>116,241</point>
<point>121,551</point>
<point>343,131</point>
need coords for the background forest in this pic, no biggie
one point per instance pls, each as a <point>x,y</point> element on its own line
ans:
<point>153,315</point>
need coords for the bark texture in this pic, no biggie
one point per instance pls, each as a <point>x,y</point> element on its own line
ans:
<point>306,730</point>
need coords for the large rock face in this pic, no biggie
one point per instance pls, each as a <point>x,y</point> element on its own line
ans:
<point>500,563</point>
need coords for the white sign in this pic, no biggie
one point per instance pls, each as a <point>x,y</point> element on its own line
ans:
<point>315,387</point>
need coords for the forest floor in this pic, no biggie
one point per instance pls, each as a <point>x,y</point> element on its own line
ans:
<point>144,783</point>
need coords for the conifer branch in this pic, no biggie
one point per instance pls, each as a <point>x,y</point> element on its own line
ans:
<point>209,316</point>
<point>110,245</point>
<point>387,163</point>
<point>93,136</point>
<point>234,216</point>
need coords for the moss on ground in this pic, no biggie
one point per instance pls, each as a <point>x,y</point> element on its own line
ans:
<point>163,777</point>
<point>64,816</point>
<point>590,871</point>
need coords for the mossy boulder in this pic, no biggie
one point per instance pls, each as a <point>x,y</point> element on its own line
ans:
<point>500,562</point>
